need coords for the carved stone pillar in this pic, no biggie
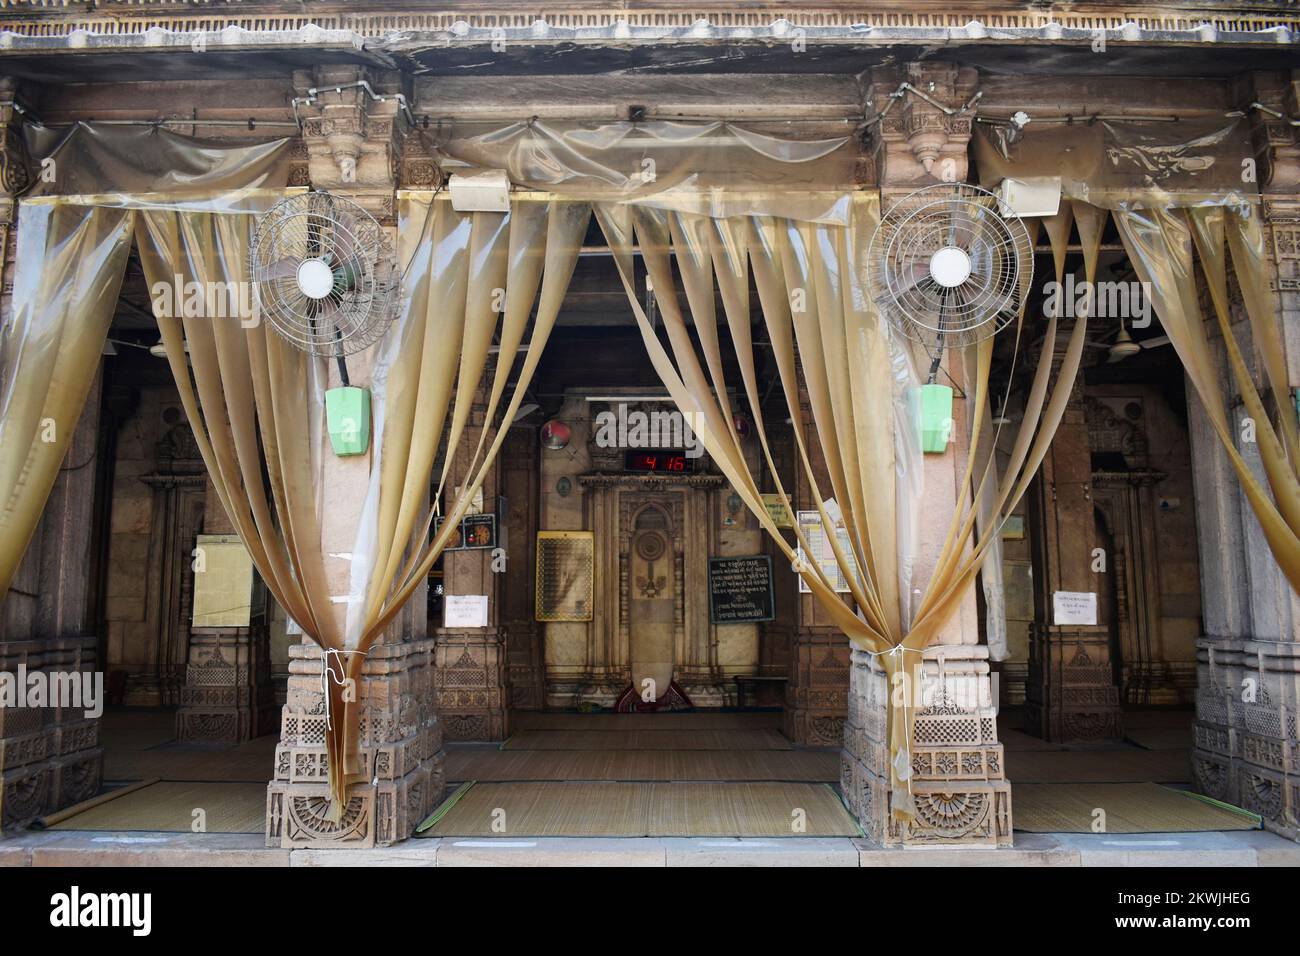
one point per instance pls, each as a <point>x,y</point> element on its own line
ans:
<point>1247,745</point>
<point>399,748</point>
<point>1071,693</point>
<point>354,139</point>
<point>525,660</point>
<point>958,779</point>
<point>816,693</point>
<point>49,753</point>
<point>469,665</point>
<point>227,695</point>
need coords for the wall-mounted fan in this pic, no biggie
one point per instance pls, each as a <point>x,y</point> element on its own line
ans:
<point>325,274</point>
<point>327,280</point>
<point>950,265</point>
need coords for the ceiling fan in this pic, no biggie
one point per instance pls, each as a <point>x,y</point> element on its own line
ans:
<point>1124,346</point>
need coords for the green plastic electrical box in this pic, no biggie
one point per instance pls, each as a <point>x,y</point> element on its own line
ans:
<point>936,418</point>
<point>347,415</point>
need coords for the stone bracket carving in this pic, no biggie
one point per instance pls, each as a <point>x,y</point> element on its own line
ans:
<point>354,143</point>
<point>918,143</point>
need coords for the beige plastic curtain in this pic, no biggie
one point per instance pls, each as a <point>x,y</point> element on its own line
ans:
<point>48,354</point>
<point>711,168</point>
<point>74,237</point>
<point>835,337</point>
<point>252,401</point>
<point>1161,243</point>
<point>463,268</point>
<point>1178,195</point>
<point>255,402</point>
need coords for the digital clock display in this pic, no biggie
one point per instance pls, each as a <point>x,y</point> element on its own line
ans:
<point>657,459</point>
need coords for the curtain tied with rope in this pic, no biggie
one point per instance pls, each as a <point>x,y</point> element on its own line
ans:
<point>825,332</point>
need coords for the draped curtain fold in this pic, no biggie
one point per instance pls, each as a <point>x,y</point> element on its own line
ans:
<point>1163,245</point>
<point>476,283</point>
<point>71,261</point>
<point>822,326</point>
<point>252,401</point>
<point>255,403</point>
<point>473,283</point>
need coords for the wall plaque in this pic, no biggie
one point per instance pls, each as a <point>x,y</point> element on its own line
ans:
<point>740,590</point>
<point>566,582</point>
<point>778,510</point>
<point>1074,607</point>
<point>465,610</point>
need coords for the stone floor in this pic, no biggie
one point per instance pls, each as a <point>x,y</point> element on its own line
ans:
<point>79,848</point>
<point>137,742</point>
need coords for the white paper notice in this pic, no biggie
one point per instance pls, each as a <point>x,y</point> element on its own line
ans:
<point>465,610</point>
<point>1074,607</point>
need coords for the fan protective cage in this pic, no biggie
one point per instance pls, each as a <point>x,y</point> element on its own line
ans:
<point>366,288</point>
<point>942,298</point>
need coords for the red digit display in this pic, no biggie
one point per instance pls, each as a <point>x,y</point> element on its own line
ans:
<point>657,460</point>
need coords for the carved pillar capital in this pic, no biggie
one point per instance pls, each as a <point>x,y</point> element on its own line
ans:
<point>354,130</point>
<point>15,164</point>
<point>1275,143</point>
<point>924,134</point>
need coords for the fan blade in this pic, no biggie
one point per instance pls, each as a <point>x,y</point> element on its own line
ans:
<point>1156,342</point>
<point>916,273</point>
<point>285,268</point>
<point>321,326</point>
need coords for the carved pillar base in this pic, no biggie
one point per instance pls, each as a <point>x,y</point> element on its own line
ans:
<point>49,756</point>
<point>1013,677</point>
<point>524,668</point>
<point>599,689</point>
<point>816,697</point>
<point>227,697</point>
<point>469,680</point>
<point>400,750</point>
<point>1246,750</point>
<point>1071,694</point>
<point>958,774</point>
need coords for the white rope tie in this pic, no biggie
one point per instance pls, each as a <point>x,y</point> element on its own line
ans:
<point>327,675</point>
<point>903,772</point>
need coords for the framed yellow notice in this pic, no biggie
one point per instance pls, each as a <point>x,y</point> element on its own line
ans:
<point>810,525</point>
<point>223,582</point>
<point>778,510</point>
<point>566,580</point>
